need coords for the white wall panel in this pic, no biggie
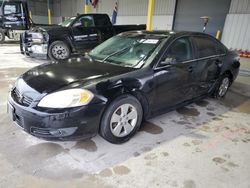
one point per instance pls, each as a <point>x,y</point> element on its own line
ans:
<point>136,7</point>
<point>135,12</point>
<point>159,22</point>
<point>240,7</point>
<point>44,19</point>
<point>237,31</point>
<point>236,34</point>
<point>129,11</point>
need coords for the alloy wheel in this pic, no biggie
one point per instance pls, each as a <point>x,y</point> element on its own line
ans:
<point>224,86</point>
<point>123,120</point>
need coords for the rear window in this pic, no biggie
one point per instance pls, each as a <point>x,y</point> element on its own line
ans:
<point>208,47</point>
<point>102,20</point>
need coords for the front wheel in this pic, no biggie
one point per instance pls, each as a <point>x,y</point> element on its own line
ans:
<point>223,86</point>
<point>121,120</point>
<point>59,50</point>
<point>2,36</point>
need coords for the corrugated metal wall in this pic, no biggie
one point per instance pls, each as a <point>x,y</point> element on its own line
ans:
<point>135,12</point>
<point>39,11</point>
<point>136,7</point>
<point>240,7</point>
<point>129,11</point>
<point>237,26</point>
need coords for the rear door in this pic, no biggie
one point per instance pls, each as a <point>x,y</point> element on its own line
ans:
<point>15,15</point>
<point>84,33</point>
<point>176,82</point>
<point>210,56</point>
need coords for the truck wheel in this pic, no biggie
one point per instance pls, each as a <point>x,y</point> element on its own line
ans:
<point>121,120</point>
<point>2,36</point>
<point>59,50</point>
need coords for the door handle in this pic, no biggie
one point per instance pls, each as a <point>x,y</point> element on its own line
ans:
<point>190,69</point>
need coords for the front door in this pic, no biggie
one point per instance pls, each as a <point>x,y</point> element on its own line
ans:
<point>175,82</point>
<point>85,34</point>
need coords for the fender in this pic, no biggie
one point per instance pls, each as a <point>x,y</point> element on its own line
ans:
<point>65,38</point>
<point>132,86</point>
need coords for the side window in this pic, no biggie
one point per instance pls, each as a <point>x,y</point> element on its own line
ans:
<point>11,9</point>
<point>85,21</point>
<point>208,47</point>
<point>179,51</point>
<point>220,49</point>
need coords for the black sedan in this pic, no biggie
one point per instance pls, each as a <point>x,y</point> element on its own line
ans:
<point>125,80</point>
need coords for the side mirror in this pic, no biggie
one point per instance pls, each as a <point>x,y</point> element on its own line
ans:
<point>168,61</point>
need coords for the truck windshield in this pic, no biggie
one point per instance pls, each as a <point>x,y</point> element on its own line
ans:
<point>125,51</point>
<point>67,22</point>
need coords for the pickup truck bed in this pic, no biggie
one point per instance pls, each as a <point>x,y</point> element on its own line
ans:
<point>76,35</point>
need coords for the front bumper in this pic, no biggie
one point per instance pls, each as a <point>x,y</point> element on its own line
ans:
<point>74,123</point>
<point>28,48</point>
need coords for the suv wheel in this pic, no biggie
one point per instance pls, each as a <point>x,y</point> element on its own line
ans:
<point>59,50</point>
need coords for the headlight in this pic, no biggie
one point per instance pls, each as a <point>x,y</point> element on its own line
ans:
<point>37,40</point>
<point>37,37</point>
<point>67,99</point>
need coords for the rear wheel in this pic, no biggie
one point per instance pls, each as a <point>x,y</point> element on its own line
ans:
<point>222,87</point>
<point>2,36</point>
<point>59,50</point>
<point>121,120</point>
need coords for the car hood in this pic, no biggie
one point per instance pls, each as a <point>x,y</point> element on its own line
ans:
<point>54,76</point>
<point>43,28</point>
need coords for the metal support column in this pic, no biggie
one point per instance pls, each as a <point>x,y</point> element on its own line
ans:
<point>49,12</point>
<point>150,14</point>
<point>86,6</point>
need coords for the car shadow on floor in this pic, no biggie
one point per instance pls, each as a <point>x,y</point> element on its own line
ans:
<point>57,160</point>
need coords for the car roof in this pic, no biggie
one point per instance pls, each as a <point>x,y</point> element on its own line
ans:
<point>161,33</point>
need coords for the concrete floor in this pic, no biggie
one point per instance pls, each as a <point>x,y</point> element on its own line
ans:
<point>205,144</point>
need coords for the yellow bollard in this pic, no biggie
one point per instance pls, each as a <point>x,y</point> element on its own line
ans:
<point>49,17</point>
<point>150,14</point>
<point>30,14</point>
<point>86,7</point>
<point>218,35</point>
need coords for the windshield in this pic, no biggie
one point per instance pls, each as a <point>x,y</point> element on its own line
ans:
<point>125,51</point>
<point>67,22</point>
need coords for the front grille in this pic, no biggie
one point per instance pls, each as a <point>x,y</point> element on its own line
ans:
<point>40,131</point>
<point>21,98</point>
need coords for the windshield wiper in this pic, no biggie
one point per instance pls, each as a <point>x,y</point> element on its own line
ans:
<point>123,50</point>
<point>117,52</point>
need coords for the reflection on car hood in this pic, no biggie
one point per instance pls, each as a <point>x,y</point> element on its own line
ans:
<point>54,76</point>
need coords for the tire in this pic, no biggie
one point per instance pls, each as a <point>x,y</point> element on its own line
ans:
<point>58,51</point>
<point>222,87</point>
<point>2,36</point>
<point>116,127</point>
